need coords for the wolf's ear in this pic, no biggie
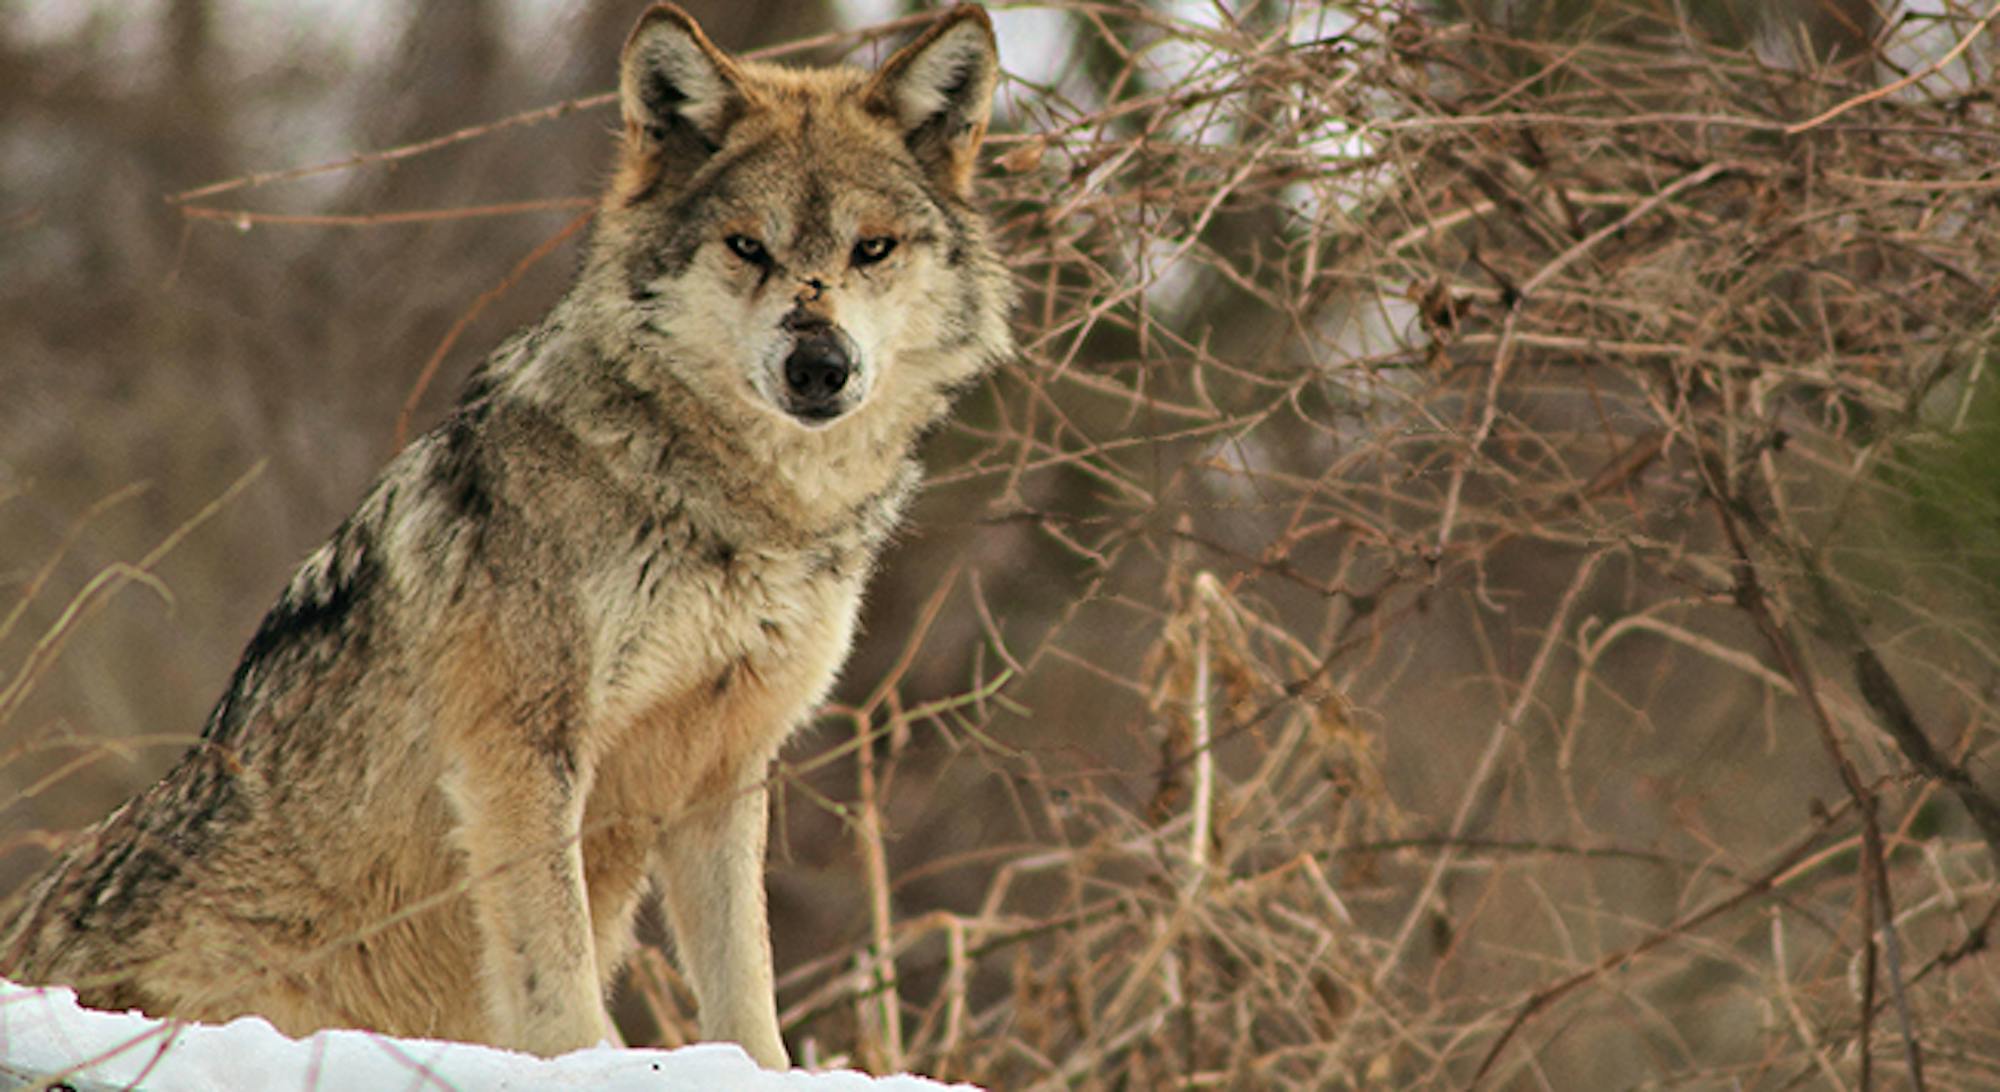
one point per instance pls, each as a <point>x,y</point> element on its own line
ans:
<point>939,90</point>
<point>679,93</point>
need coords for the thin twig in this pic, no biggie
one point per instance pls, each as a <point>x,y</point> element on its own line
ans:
<point>1478,786</point>
<point>1750,595</point>
<point>1764,882</point>
<point>430,369</point>
<point>244,219</point>
<point>1952,54</point>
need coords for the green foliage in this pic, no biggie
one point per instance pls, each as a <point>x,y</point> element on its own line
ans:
<point>1948,474</point>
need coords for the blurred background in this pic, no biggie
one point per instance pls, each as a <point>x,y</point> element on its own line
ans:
<point>1483,571</point>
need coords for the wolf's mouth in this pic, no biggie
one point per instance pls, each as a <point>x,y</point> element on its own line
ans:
<point>815,415</point>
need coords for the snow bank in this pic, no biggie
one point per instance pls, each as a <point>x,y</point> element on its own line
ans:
<point>44,1033</point>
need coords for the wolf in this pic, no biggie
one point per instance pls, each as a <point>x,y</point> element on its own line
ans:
<point>544,667</point>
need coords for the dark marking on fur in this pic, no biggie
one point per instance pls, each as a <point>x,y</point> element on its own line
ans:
<point>292,930</point>
<point>971,303</point>
<point>627,401</point>
<point>708,184</point>
<point>123,880</point>
<point>321,603</point>
<point>548,717</point>
<point>484,380</point>
<point>722,555</point>
<point>676,147</point>
<point>958,248</point>
<point>671,129</point>
<point>144,848</point>
<point>723,679</point>
<point>458,470</point>
<point>800,322</point>
<point>931,141</point>
<point>829,561</point>
<point>480,384</point>
<point>675,228</point>
<point>647,265</point>
<point>319,616</point>
<point>672,234</point>
<point>814,233</point>
<point>662,99</point>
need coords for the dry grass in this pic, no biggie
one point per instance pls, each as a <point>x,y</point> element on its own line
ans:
<point>1483,574</point>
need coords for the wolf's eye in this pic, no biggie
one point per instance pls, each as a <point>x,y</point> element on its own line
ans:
<point>873,249</point>
<point>748,249</point>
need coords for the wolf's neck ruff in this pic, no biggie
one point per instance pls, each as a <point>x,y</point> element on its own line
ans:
<point>544,666</point>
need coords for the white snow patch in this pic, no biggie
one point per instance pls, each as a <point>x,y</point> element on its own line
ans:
<point>44,1033</point>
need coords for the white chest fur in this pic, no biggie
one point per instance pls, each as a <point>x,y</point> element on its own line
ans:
<point>694,628</point>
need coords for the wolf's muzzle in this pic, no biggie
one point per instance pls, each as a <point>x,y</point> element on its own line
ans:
<point>815,373</point>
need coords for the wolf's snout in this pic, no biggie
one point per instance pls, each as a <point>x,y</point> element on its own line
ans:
<point>815,372</point>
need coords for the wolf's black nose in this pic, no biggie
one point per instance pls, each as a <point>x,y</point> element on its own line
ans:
<point>817,369</point>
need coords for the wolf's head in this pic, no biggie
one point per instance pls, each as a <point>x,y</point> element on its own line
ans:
<point>800,239</point>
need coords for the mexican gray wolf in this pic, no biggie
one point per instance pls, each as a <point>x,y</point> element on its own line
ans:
<point>544,667</point>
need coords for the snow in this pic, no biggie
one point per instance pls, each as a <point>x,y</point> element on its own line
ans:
<point>45,1033</point>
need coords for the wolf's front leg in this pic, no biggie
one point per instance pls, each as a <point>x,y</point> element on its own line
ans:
<point>520,818</point>
<point>712,880</point>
